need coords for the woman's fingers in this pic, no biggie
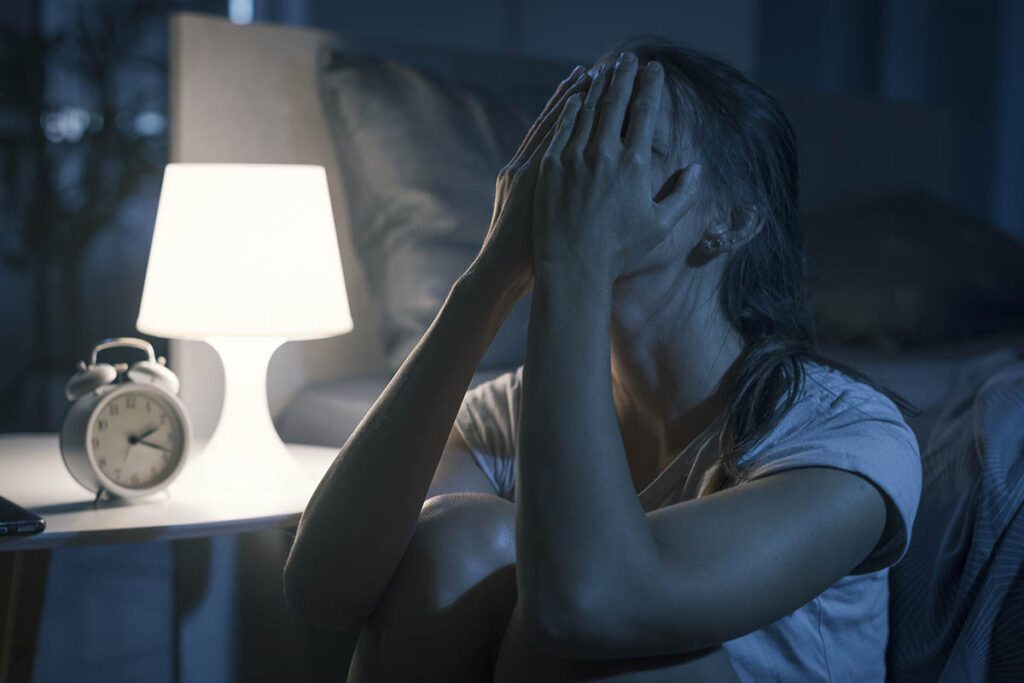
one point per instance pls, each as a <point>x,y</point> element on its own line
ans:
<point>564,127</point>
<point>543,132</point>
<point>563,86</point>
<point>613,105</point>
<point>575,82</point>
<point>643,112</point>
<point>588,112</point>
<point>555,98</point>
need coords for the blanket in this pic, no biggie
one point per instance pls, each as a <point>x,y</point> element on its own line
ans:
<point>957,597</point>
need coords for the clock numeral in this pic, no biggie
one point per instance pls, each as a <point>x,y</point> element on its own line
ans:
<point>95,442</point>
<point>113,409</point>
<point>103,462</point>
<point>135,479</point>
<point>101,425</point>
<point>129,402</point>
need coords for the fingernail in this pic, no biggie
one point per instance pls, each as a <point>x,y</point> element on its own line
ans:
<point>653,66</point>
<point>627,57</point>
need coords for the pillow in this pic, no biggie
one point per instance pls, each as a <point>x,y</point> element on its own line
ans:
<point>419,156</point>
<point>909,270</point>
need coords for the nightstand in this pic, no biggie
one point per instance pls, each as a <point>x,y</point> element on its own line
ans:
<point>33,475</point>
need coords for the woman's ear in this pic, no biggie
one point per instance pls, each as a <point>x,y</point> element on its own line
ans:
<point>746,224</point>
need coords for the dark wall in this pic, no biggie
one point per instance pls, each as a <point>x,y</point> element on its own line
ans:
<point>566,30</point>
<point>967,57</point>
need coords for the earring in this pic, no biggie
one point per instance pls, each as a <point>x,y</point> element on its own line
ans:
<point>713,244</point>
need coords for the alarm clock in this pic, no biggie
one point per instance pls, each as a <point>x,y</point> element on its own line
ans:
<point>127,433</point>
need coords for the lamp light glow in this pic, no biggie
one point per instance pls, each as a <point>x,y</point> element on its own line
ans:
<point>245,257</point>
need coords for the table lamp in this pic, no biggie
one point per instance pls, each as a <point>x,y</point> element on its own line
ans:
<point>244,257</point>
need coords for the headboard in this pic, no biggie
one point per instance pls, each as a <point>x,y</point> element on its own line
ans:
<point>249,94</point>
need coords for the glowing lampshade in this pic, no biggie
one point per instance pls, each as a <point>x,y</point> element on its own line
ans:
<point>244,250</point>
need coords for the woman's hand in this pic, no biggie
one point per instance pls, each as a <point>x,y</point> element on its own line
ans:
<point>507,246</point>
<point>593,204</point>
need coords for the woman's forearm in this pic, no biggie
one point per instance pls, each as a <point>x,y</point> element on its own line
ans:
<point>361,517</point>
<point>578,516</point>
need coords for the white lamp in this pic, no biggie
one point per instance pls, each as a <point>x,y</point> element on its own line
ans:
<point>245,257</point>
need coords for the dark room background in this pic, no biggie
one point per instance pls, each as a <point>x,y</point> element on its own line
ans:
<point>83,142</point>
<point>83,128</point>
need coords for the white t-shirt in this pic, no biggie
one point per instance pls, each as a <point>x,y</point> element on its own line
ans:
<point>837,422</point>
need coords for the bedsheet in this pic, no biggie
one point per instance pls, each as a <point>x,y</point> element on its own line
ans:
<point>957,598</point>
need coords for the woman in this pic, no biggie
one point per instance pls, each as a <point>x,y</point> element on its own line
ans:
<point>685,489</point>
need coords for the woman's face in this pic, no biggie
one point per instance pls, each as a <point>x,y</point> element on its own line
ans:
<point>666,158</point>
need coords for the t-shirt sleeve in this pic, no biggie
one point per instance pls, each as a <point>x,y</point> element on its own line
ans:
<point>488,421</point>
<point>861,431</point>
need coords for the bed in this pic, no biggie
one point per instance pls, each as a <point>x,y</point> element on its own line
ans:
<point>873,173</point>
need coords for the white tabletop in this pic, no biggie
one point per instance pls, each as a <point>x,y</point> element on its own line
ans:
<point>33,475</point>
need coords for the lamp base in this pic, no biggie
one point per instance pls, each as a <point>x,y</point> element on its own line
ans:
<point>273,469</point>
<point>245,452</point>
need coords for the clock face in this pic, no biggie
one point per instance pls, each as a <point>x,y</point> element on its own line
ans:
<point>136,438</point>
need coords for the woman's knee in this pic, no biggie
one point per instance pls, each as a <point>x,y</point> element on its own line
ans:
<point>462,541</point>
<point>443,614</point>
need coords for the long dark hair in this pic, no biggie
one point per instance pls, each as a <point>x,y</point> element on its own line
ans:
<point>747,150</point>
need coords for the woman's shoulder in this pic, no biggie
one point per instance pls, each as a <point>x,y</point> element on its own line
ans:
<point>831,392</point>
<point>841,422</point>
<point>831,405</point>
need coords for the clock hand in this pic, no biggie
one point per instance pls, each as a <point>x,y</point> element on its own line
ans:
<point>143,435</point>
<point>153,445</point>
